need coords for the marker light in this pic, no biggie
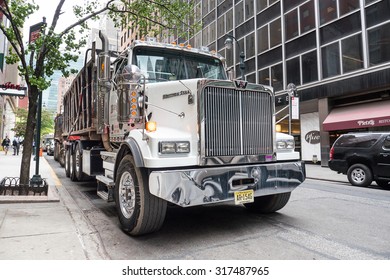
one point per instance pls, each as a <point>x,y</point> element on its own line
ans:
<point>151,126</point>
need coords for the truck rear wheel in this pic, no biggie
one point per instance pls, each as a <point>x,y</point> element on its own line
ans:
<point>61,157</point>
<point>139,211</point>
<point>78,163</point>
<point>269,203</point>
<point>56,151</point>
<point>67,162</point>
<point>72,166</point>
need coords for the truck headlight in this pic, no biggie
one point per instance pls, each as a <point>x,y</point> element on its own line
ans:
<point>285,144</point>
<point>290,144</point>
<point>281,145</point>
<point>174,147</point>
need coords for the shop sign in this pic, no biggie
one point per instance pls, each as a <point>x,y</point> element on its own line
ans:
<point>12,90</point>
<point>313,137</point>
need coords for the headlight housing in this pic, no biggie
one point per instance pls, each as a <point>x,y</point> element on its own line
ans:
<point>285,144</point>
<point>174,147</point>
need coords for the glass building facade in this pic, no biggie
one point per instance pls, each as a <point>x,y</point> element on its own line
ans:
<point>337,52</point>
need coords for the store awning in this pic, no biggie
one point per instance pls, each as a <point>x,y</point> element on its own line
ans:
<point>358,116</point>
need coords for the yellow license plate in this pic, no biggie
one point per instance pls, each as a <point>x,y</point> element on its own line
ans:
<point>246,196</point>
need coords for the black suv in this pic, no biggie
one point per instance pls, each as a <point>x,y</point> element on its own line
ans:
<point>364,157</point>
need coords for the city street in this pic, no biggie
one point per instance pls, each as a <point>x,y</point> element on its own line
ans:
<point>323,220</point>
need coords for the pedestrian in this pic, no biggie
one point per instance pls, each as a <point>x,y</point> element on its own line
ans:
<point>6,142</point>
<point>16,146</point>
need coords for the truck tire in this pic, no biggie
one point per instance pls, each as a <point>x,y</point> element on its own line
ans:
<point>78,163</point>
<point>269,203</point>
<point>67,162</point>
<point>72,166</point>
<point>359,175</point>
<point>139,211</point>
<point>56,151</point>
<point>61,157</point>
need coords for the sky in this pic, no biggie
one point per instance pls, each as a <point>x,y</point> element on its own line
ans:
<point>47,9</point>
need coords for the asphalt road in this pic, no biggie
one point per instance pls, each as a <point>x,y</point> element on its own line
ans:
<point>323,220</point>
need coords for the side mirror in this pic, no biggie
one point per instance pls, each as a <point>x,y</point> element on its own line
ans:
<point>132,73</point>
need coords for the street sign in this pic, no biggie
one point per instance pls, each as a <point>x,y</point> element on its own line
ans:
<point>12,90</point>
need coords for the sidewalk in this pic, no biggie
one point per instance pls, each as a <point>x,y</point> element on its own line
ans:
<point>39,227</point>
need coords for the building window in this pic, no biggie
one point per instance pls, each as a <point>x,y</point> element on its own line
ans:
<point>264,77</point>
<point>293,71</point>
<point>262,38</point>
<point>250,45</point>
<point>307,17</point>
<point>249,9</point>
<point>309,67</point>
<point>377,13</point>
<point>229,20</point>
<point>331,60</point>
<point>352,53</point>
<point>347,6</point>
<point>239,13</point>
<point>379,44</point>
<point>277,77</point>
<point>328,10</point>
<point>261,5</point>
<point>275,33</point>
<point>221,26</point>
<point>291,24</point>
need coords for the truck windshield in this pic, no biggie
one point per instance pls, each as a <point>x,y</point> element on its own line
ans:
<point>166,65</point>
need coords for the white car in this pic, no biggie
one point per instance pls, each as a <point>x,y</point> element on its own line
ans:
<point>285,147</point>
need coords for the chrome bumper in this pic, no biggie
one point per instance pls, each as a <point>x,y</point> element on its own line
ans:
<point>190,187</point>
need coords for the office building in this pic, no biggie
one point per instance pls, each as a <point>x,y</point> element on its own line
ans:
<point>337,52</point>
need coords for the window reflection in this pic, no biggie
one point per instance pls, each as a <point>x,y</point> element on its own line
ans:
<point>379,44</point>
<point>330,60</point>
<point>352,53</point>
<point>328,10</point>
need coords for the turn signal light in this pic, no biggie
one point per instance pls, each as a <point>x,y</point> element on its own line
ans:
<point>151,126</point>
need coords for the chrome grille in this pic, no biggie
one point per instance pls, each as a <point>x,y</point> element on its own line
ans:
<point>237,122</point>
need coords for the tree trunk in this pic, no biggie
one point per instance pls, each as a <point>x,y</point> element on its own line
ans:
<point>29,136</point>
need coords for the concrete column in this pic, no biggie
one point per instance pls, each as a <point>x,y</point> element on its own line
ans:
<point>323,111</point>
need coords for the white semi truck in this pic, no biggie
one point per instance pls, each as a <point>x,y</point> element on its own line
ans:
<point>161,123</point>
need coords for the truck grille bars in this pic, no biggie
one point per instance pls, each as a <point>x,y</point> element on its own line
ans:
<point>237,122</point>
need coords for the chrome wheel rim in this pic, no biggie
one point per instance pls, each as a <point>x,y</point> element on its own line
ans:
<point>358,175</point>
<point>127,194</point>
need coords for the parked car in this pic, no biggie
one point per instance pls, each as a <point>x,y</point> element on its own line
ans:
<point>50,148</point>
<point>363,157</point>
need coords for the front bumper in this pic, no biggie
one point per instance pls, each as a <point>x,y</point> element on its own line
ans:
<point>190,187</point>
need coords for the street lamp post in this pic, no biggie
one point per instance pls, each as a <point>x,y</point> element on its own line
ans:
<point>229,45</point>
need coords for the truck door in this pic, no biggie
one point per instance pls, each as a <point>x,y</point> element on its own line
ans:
<point>384,158</point>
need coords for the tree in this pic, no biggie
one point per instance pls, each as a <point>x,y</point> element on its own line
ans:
<point>47,123</point>
<point>53,50</point>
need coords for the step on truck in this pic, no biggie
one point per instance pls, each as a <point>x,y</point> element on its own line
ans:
<point>162,124</point>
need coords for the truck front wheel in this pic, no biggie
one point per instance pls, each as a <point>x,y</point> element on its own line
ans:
<point>139,211</point>
<point>269,203</point>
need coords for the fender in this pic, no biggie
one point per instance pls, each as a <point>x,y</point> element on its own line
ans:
<point>130,146</point>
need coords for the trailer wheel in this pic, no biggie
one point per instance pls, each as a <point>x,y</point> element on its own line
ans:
<point>67,162</point>
<point>72,166</point>
<point>269,203</point>
<point>78,163</point>
<point>56,151</point>
<point>61,157</point>
<point>139,211</point>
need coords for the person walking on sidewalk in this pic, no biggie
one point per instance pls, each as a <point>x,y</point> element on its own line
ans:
<point>16,146</point>
<point>6,142</point>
